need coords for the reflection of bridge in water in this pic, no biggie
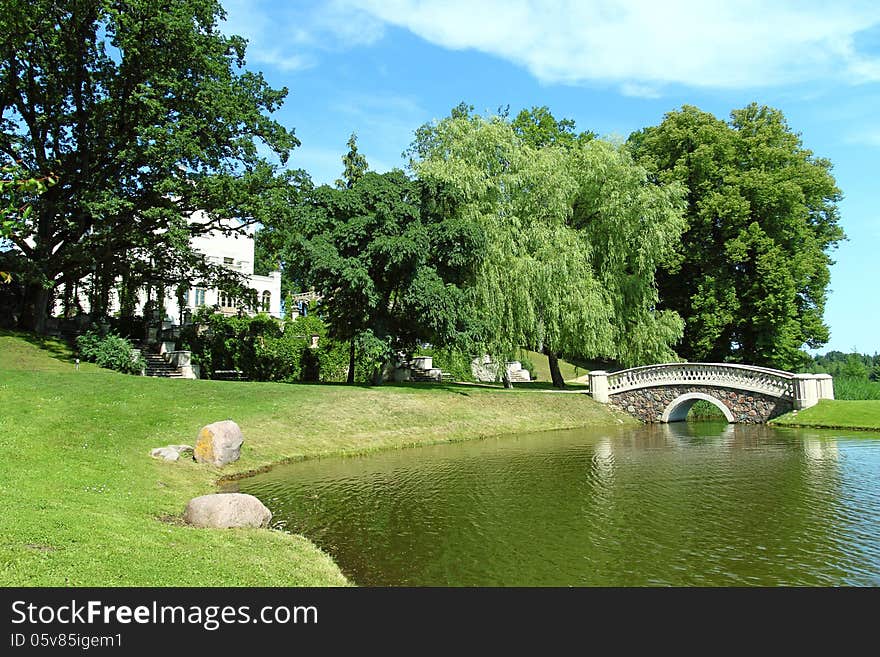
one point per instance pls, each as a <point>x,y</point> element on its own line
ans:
<point>743,393</point>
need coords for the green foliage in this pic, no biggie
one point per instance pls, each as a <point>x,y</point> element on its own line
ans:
<point>855,388</point>
<point>355,165</point>
<point>17,188</point>
<point>703,410</point>
<point>853,364</point>
<point>109,351</point>
<point>389,262</point>
<point>573,231</point>
<point>264,349</point>
<point>145,111</point>
<point>450,360</point>
<point>854,368</point>
<point>750,273</point>
<point>537,127</point>
<point>527,364</point>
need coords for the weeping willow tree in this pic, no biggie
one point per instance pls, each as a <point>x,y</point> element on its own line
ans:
<point>574,233</point>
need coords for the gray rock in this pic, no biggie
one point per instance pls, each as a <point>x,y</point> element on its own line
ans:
<point>165,453</point>
<point>224,510</point>
<point>219,443</point>
<point>171,452</point>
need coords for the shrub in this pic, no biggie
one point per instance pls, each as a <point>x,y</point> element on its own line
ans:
<point>528,365</point>
<point>110,351</point>
<point>451,361</point>
<point>855,388</point>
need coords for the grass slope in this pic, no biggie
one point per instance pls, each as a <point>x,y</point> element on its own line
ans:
<point>85,505</point>
<point>542,367</point>
<point>835,414</point>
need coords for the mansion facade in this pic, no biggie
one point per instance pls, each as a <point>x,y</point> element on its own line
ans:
<point>234,251</point>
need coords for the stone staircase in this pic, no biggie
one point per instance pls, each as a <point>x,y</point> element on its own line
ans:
<point>516,373</point>
<point>422,370</point>
<point>158,366</point>
<point>485,370</point>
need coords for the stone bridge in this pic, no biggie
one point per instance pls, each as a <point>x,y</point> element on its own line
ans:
<point>744,393</point>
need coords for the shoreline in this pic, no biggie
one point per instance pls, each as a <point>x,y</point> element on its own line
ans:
<point>88,506</point>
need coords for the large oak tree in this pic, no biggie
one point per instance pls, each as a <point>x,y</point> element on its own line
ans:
<point>145,112</point>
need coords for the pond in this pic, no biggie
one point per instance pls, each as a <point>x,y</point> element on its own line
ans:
<point>684,504</point>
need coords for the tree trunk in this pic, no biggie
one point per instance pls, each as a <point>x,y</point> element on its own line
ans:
<point>505,377</point>
<point>36,307</point>
<point>553,361</point>
<point>350,378</point>
<point>68,299</point>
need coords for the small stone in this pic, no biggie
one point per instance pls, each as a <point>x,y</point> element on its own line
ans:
<point>225,510</point>
<point>165,453</point>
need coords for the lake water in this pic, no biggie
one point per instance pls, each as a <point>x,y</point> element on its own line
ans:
<point>686,504</point>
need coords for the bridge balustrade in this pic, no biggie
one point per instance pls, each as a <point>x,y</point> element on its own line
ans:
<point>803,389</point>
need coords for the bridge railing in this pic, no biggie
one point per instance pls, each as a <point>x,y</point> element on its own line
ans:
<point>803,389</point>
<point>741,377</point>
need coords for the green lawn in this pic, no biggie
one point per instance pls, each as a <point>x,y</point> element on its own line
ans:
<point>835,414</point>
<point>542,367</point>
<point>85,505</point>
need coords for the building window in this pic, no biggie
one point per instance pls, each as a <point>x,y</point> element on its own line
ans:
<point>267,297</point>
<point>199,294</point>
<point>226,300</point>
<point>228,261</point>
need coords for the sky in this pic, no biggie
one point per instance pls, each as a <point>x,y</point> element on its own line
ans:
<point>382,68</point>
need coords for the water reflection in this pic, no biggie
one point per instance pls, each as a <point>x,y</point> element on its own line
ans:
<point>683,504</point>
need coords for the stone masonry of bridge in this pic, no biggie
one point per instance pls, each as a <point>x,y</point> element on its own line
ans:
<point>648,404</point>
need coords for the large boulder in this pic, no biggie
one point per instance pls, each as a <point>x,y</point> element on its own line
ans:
<point>224,510</point>
<point>219,443</point>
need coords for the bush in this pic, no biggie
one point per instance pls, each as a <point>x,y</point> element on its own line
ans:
<point>263,351</point>
<point>451,361</point>
<point>855,388</point>
<point>110,351</point>
<point>528,365</point>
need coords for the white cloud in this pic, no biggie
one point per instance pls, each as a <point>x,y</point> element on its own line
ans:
<point>644,44</point>
<point>871,137</point>
<point>637,90</point>
<point>288,35</point>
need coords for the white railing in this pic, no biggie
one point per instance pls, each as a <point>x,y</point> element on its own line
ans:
<point>804,390</point>
<point>740,377</point>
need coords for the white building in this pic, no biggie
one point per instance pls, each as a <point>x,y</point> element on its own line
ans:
<point>234,251</point>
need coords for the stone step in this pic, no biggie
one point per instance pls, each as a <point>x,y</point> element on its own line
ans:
<point>157,366</point>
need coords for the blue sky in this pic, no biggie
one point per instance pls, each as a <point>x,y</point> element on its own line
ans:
<point>381,68</point>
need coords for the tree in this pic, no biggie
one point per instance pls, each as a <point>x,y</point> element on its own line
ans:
<point>538,127</point>
<point>751,272</point>
<point>355,165</point>
<point>573,232</point>
<point>146,114</point>
<point>854,367</point>
<point>17,188</point>
<point>388,261</point>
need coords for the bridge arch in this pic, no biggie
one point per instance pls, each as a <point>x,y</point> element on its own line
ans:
<point>678,408</point>
<point>744,393</point>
